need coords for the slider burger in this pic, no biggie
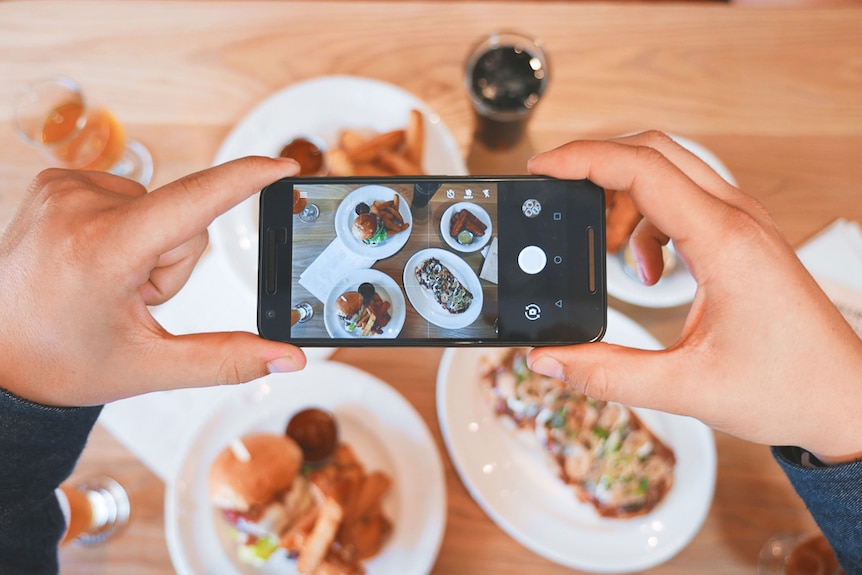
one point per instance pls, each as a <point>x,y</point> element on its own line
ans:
<point>257,485</point>
<point>369,229</point>
<point>350,307</point>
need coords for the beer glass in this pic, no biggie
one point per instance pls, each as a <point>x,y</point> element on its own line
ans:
<point>53,116</point>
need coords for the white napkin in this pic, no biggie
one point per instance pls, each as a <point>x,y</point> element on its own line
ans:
<point>332,264</point>
<point>834,258</point>
<point>155,426</point>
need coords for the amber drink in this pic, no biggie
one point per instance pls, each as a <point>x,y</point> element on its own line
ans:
<point>53,116</point>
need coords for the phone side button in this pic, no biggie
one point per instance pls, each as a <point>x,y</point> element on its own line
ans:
<point>274,238</point>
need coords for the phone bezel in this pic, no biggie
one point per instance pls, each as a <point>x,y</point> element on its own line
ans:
<point>265,326</point>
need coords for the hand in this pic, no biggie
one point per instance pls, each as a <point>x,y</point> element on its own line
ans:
<point>81,260</point>
<point>763,353</point>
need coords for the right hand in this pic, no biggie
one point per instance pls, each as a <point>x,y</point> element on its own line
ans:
<point>763,353</point>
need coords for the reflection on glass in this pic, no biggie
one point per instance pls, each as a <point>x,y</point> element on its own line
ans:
<point>94,509</point>
<point>798,554</point>
<point>301,313</point>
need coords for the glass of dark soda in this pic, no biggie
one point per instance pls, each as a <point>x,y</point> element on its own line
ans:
<point>505,76</point>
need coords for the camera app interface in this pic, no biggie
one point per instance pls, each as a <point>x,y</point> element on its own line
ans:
<point>401,260</point>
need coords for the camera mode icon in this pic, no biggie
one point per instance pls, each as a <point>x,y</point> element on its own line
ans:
<point>531,208</point>
<point>532,312</point>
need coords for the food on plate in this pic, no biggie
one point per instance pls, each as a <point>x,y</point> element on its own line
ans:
<point>326,515</point>
<point>602,449</point>
<point>397,152</point>
<point>257,485</point>
<point>368,229</point>
<point>622,217</point>
<point>441,283</point>
<point>374,223</point>
<point>363,310</point>
<point>316,433</point>
<point>308,154</point>
<point>465,226</point>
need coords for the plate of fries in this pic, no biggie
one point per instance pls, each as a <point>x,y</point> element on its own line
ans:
<point>381,427</point>
<point>392,213</point>
<point>466,217</point>
<point>384,286</point>
<point>366,127</point>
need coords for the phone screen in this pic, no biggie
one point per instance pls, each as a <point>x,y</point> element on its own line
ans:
<point>432,261</point>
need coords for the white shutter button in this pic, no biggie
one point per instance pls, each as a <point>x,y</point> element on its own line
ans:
<point>532,259</point>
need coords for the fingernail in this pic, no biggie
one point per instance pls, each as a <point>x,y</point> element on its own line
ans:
<point>549,366</point>
<point>284,364</point>
<point>642,274</point>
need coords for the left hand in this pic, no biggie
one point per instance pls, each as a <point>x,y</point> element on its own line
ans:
<point>84,256</point>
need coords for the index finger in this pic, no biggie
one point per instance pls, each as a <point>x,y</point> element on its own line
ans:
<point>176,212</point>
<point>661,191</point>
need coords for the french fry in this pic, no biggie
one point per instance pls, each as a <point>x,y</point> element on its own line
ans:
<point>294,538</point>
<point>339,163</point>
<point>415,138</point>
<point>374,170</point>
<point>350,140</point>
<point>399,164</point>
<point>369,497</point>
<point>321,536</point>
<point>397,152</point>
<point>370,149</point>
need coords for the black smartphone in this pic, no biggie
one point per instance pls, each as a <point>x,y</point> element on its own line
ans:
<point>432,261</point>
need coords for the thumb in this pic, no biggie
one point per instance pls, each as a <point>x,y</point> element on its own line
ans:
<point>223,358</point>
<point>608,372</point>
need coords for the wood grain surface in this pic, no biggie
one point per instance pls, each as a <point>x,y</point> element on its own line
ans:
<point>775,93</point>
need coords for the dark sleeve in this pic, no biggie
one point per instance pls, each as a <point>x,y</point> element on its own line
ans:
<point>833,495</point>
<point>39,447</point>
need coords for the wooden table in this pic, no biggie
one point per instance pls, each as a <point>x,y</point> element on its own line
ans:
<point>775,93</point>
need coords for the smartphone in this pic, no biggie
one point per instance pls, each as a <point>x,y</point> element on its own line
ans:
<point>432,261</point>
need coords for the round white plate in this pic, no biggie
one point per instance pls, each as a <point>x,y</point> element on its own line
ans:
<point>479,241</point>
<point>346,213</point>
<point>423,301</point>
<point>507,473</point>
<point>678,287</point>
<point>386,288</point>
<point>322,108</point>
<point>384,430</point>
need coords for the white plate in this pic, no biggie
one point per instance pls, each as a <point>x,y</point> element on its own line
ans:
<point>478,242</point>
<point>508,475</point>
<point>386,288</point>
<point>678,287</point>
<point>383,428</point>
<point>346,213</point>
<point>423,301</point>
<point>320,107</point>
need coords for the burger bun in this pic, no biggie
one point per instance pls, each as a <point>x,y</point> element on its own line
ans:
<point>365,226</point>
<point>238,485</point>
<point>348,303</point>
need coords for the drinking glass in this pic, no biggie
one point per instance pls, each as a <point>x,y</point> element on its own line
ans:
<point>505,75</point>
<point>307,212</point>
<point>797,554</point>
<point>95,510</point>
<point>301,313</point>
<point>53,116</point>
